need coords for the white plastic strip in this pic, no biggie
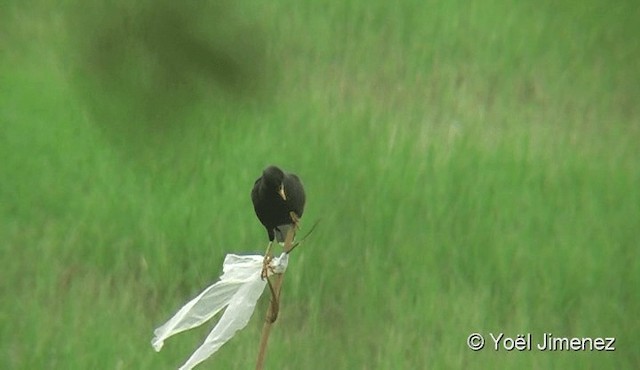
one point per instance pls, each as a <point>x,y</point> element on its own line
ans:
<point>238,289</point>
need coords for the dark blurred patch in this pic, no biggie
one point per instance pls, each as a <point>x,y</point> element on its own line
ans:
<point>143,66</point>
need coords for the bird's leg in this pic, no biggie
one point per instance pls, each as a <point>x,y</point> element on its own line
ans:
<point>266,262</point>
<point>275,301</point>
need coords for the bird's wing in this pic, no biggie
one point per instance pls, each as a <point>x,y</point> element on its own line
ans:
<point>295,193</point>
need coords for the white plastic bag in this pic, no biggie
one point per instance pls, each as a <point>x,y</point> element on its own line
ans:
<point>238,289</point>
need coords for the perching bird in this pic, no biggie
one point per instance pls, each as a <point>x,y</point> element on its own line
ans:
<point>275,194</point>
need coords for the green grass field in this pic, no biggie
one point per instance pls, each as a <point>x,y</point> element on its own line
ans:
<point>474,167</point>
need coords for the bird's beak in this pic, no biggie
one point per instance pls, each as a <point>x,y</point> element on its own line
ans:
<point>281,192</point>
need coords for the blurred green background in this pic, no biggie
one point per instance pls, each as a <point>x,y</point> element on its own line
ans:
<point>474,167</point>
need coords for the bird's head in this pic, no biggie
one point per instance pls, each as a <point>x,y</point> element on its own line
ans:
<point>274,178</point>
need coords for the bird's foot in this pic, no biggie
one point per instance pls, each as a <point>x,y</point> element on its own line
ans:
<point>266,263</point>
<point>266,266</point>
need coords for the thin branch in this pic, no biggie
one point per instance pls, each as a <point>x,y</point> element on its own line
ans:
<point>275,287</point>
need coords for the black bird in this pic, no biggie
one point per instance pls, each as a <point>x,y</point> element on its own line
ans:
<point>275,195</point>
